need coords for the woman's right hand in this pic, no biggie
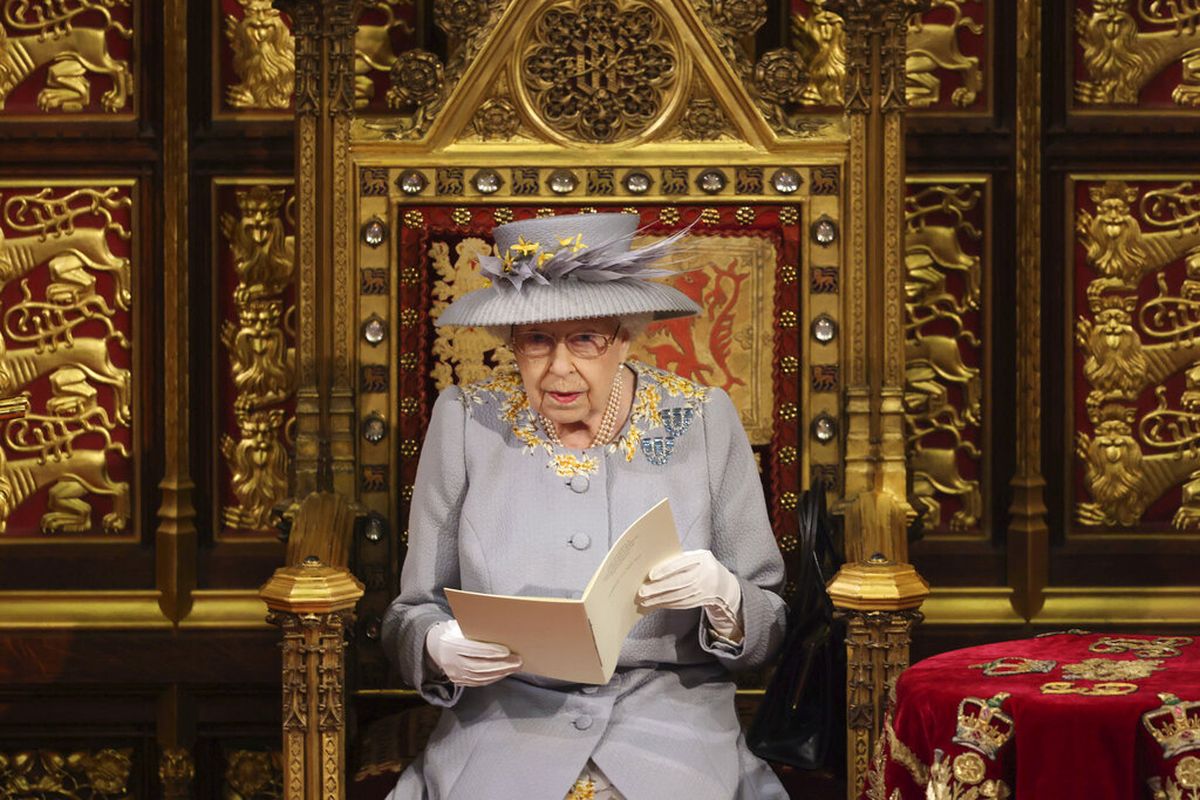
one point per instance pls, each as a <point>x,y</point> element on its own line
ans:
<point>467,662</point>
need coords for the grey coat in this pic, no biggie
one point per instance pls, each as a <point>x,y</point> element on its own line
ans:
<point>497,509</point>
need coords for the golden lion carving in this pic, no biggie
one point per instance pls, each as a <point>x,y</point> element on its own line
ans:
<point>1116,364</point>
<point>51,440</point>
<point>821,39</point>
<point>260,359</point>
<point>1121,60</point>
<point>932,47</point>
<point>1117,247</point>
<point>1123,481</point>
<point>259,462</point>
<point>264,57</point>
<point>53,40</point>
<point>263,254</point>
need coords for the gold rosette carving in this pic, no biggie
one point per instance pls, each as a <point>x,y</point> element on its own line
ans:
<point>623,68</point>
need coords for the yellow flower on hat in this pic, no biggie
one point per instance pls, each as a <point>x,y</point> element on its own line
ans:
<point>575,244</point>
<point>525,248</point>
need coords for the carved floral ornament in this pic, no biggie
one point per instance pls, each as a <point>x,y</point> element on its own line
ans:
<point>599,71</point>
<point>49,773</point>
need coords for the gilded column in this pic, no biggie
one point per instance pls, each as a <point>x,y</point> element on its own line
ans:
<point>314,605</point>
<point>175,539</point>
<point>877,591</point>
<point>1028,536</point>
<point>341,16</point>
<point>310,238</point>
<point>324,32</point>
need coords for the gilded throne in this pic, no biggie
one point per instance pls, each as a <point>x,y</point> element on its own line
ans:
<point>673,113</point>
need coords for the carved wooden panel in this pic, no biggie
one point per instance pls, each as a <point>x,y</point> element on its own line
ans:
<point>1136,353</point>
<point>949,56</point>
<point>1135,55</point>
<point>253,60</point>
<point>68,60</point>
<point>947,298</point>
<point>67,339</point>
<point>255,305</point>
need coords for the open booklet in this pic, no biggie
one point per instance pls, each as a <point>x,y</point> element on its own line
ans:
<point>575,640</point>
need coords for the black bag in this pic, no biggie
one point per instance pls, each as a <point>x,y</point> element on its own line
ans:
<point>801,721</point>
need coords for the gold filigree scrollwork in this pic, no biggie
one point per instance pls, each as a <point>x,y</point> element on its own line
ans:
<point>262,365</point>
<point>1127,350</point>
<point>1109,669</point>
<point>622,68</point>
<point>962,778</point>
<point>51,774</point>
<point>1158,647</point>
<point>253,775</point>
<point>41,449</point>
<point>933,47</point>
<point>1185,786</point>
<point>1121,59</point>
<point>264,57</point>
<point>43,33</point>
<point>940,343</point>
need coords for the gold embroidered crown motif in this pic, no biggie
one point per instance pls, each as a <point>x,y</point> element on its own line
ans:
<point>1015,665</point>
<point>1175,726</point>
<point>982,725</point>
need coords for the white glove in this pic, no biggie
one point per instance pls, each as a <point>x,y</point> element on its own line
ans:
<point>696,579</point>
<point>467,662</point>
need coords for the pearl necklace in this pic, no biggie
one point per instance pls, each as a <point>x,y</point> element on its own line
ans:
<point>607,423</point>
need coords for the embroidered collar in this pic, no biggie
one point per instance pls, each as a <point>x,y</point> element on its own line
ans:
<point>652,427</point>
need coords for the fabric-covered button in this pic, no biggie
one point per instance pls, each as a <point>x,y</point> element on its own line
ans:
<point>582,722</point>
<point>579,483</point>
<point>590,689</point>
<point>581,541</point>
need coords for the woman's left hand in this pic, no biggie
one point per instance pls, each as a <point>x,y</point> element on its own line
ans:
<point>695,579</point>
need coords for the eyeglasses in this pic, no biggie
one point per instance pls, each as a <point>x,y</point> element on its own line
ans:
<point>583,344</point>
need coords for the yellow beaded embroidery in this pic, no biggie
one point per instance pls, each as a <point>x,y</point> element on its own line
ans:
<point>584,789</point>
<point>645,415</point>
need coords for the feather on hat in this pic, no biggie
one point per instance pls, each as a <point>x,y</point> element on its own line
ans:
<point>579,266</point>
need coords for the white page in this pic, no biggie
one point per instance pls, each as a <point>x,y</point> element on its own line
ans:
<point>575,640</point>
<point>611,595</point>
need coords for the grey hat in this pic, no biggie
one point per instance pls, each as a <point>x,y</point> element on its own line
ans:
<point>571,267</point>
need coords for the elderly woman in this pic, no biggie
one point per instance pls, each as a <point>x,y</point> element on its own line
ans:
<point>525,481</point>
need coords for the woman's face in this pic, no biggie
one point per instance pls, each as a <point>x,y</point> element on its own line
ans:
<point>565,386</point>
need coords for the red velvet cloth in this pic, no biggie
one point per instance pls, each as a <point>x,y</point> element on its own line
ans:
<point>1061,746</point>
